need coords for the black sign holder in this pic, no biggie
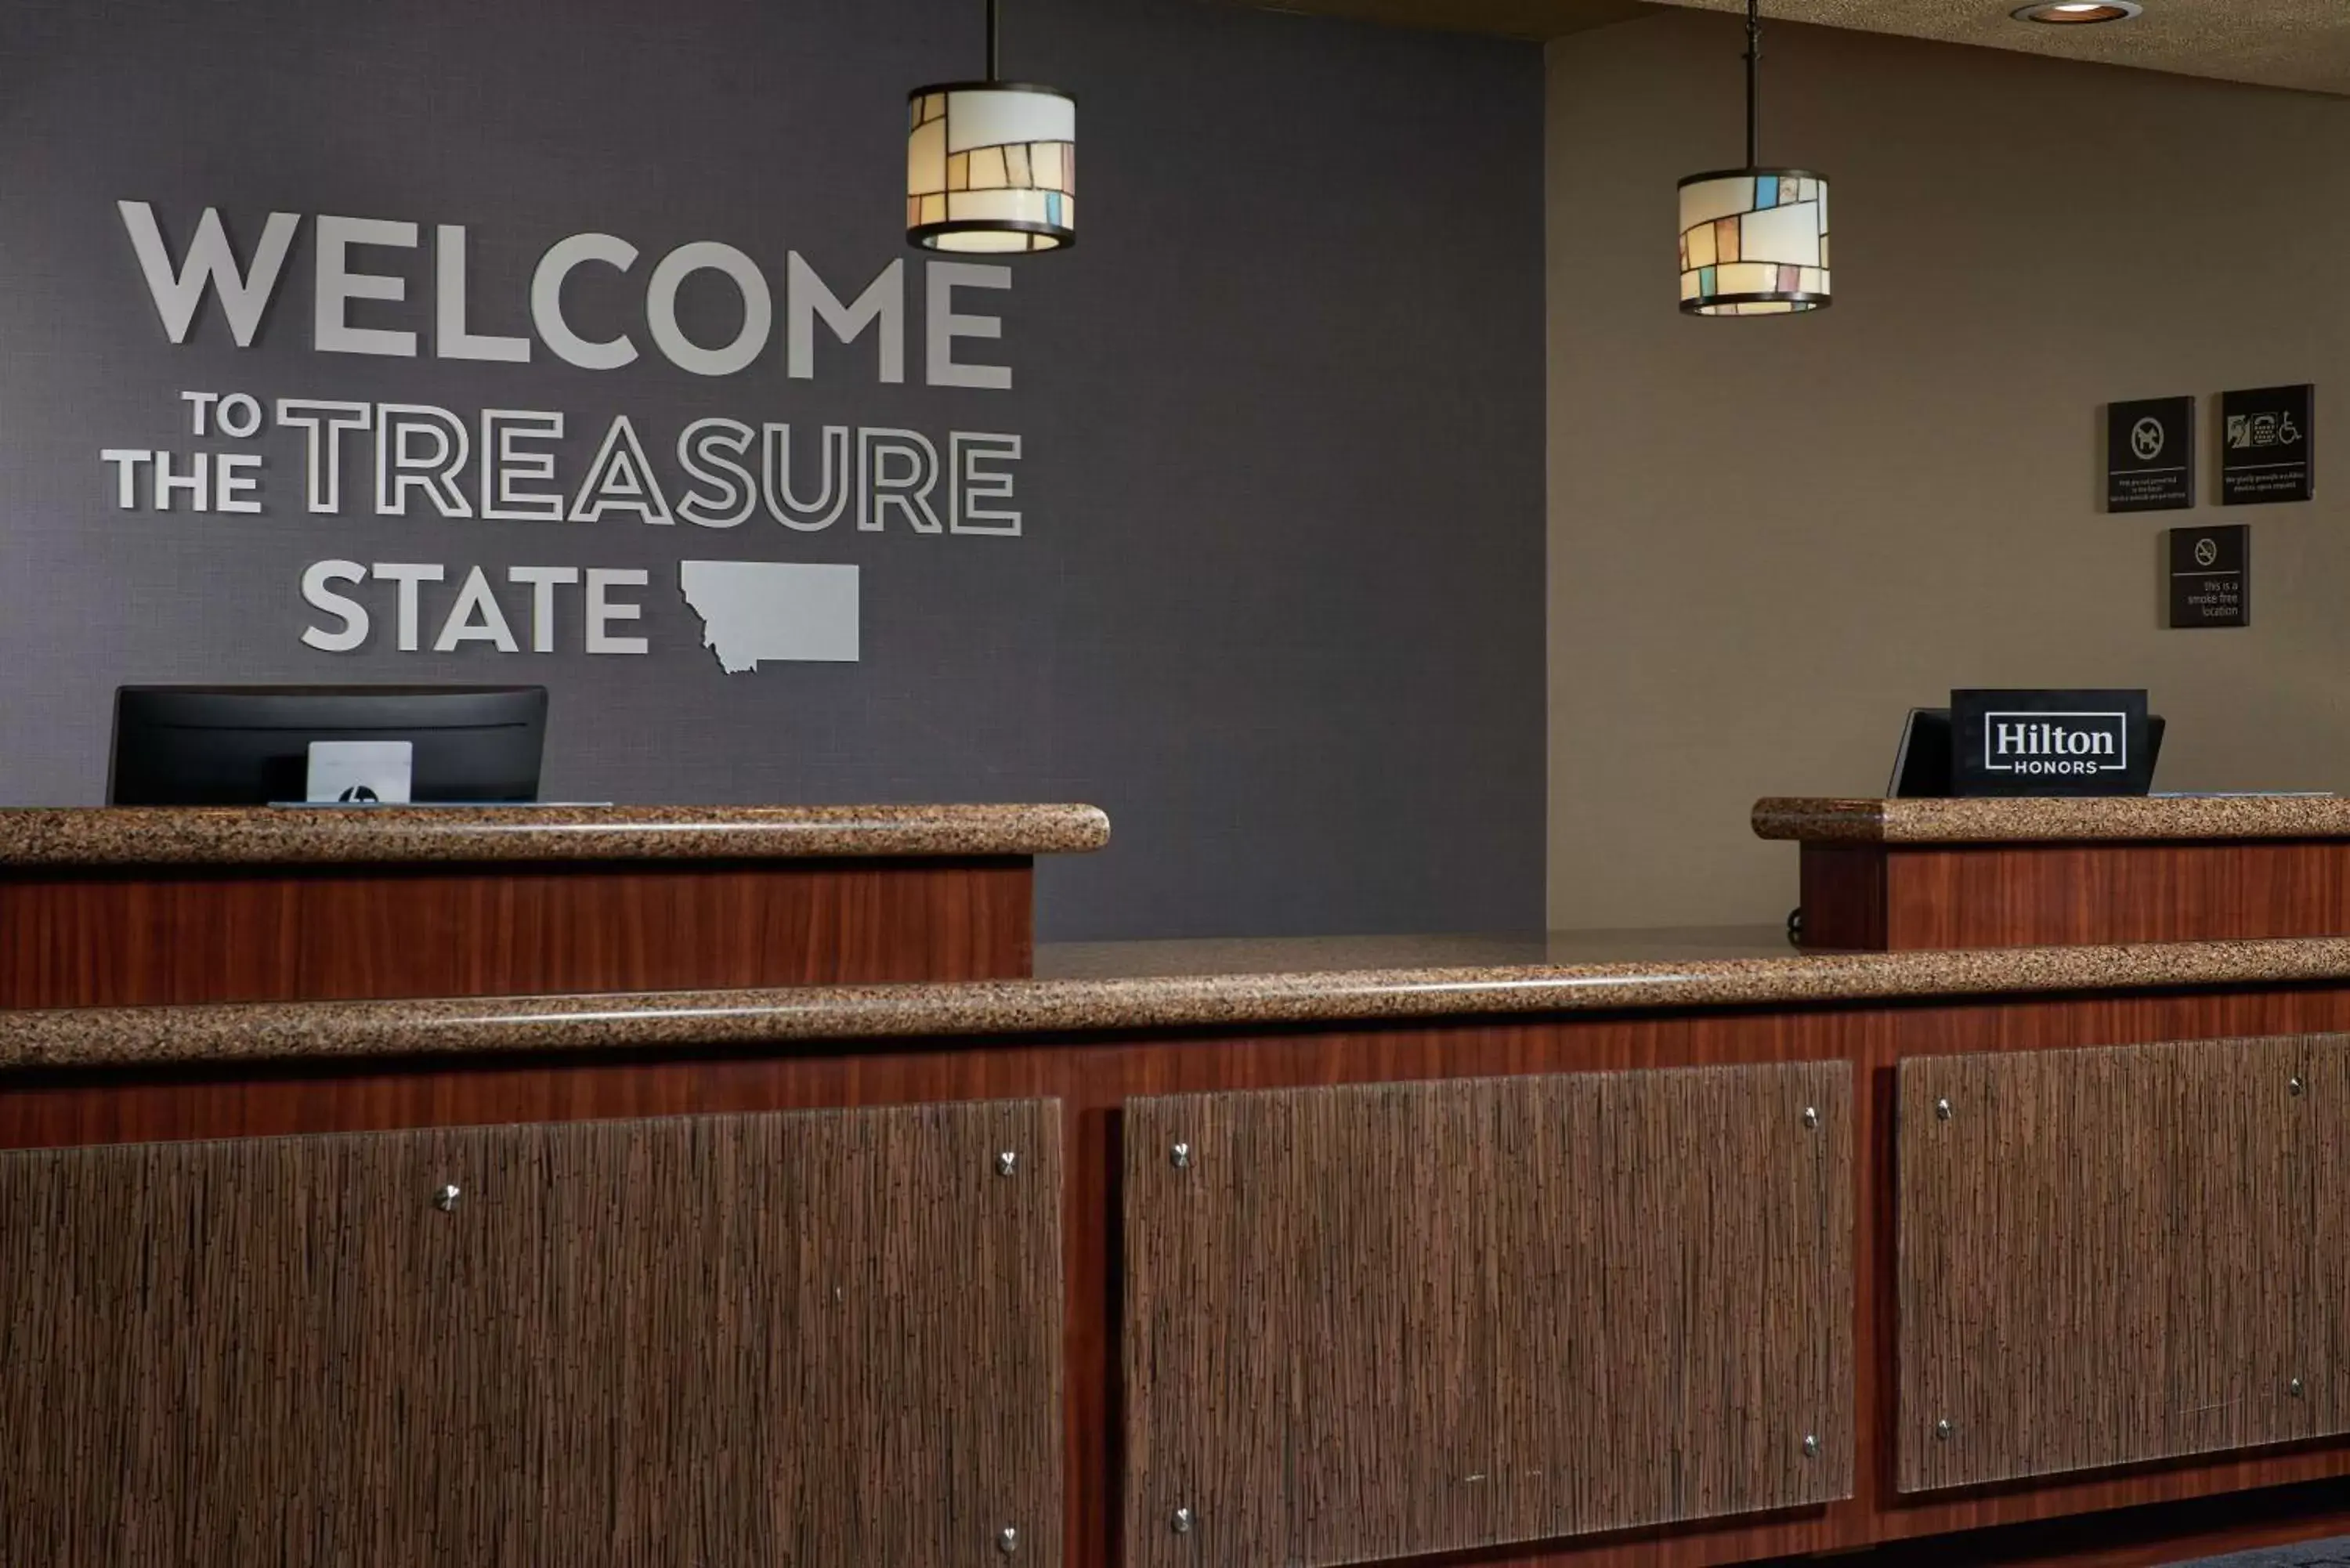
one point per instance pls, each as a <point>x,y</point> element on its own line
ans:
<point>2050,742</point>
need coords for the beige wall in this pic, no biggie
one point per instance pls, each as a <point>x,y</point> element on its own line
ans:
<point>1769,538</point>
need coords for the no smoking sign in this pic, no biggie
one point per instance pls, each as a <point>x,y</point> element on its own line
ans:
<point>2210,577</point>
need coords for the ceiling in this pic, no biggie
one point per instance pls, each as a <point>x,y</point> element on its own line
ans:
<point>2299,44</point>
<point>1510,19</point>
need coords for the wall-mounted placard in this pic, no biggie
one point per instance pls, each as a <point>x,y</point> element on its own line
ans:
<point>2049,741</point>
<point>2211,576</point>
<point>2150,455</point>
<point>2268,439</point>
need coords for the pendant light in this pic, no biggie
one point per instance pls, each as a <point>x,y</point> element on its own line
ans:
<point>990,166</point>
<point>1754,241</point>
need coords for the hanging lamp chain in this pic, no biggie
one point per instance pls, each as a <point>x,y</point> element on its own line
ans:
<point>994,41</point>
<point>1754,81</point>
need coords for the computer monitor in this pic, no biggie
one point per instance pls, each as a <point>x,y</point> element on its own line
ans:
<point>1921,768</point>
<point>250,745</point>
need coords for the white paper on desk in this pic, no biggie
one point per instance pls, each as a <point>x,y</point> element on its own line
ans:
<point>361,773</point>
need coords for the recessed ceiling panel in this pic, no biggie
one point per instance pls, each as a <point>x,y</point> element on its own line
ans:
<point>2302,44</point>
<point>2299,44</point>
<point>1510,19</point>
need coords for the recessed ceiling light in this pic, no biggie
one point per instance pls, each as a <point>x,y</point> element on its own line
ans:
<point>2075,11</point>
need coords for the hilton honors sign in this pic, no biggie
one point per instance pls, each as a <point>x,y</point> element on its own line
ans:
<point>2050,742</point>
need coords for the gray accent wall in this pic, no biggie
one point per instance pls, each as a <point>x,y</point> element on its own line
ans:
<point>1276,602</point>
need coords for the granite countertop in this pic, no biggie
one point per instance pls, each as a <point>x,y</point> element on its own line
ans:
<point>296,835</point>
<point>1117,987</point>
<point>2143,818</point>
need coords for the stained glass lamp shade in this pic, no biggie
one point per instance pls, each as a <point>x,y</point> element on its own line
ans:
<point>991,166</point>
<point>1755,242</point>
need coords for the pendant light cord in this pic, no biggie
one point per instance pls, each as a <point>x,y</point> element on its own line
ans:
<point>1754,81</point>
<point>995,42</point>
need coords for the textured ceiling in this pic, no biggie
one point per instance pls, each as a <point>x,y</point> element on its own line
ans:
<point>2302,44</point>
<point>1510,19</point>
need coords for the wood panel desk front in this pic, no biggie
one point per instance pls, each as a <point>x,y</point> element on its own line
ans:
<point>1652,1251</point>
<point>1911,874</point>
<point>148,906</point>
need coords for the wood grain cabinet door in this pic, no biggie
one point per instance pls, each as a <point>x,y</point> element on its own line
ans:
<point>1372,1322</point>
<point>2117,1255</point>
<point>819,1339</point>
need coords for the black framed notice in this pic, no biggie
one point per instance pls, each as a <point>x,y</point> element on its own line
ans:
<point>2150,455</point>
<point>2268,439</point>
<point>2211,576</point>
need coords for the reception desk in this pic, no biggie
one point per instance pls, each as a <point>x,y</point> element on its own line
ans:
<point>127,906</point>
<point>1675,1247</point>
<point>1927,874</point>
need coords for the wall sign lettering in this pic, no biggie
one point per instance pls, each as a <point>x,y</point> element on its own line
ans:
<point>694,481</point>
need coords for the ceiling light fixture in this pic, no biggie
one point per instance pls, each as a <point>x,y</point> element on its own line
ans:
<point>990,166</point>
<point>1754,241</point>
<point>2074,12</point>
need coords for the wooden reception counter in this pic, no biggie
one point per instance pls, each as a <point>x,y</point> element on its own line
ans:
<point>1667,1247</point>
<point>1912,874</point>
<point>127,906</point>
